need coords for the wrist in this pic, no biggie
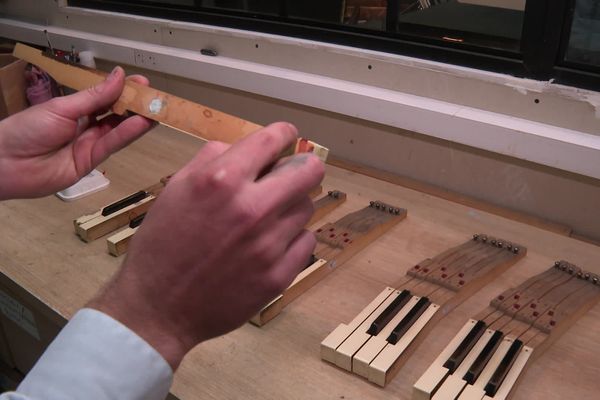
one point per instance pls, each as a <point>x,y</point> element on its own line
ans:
<point>128,309</point>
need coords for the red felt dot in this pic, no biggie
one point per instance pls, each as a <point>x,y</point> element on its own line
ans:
<point>444,276</point>
<point>417,267</point>
<point>461,275</point>
<point>533,305</point>
<point>319,230</point>
<point>345,233</point>
<point>443,268</point>
<point>346,240</point>
<point>517,297</point>
<point>332,235</point>
<point>551,313</point>
<point>536,314</point>
<point>552,323</point>
<point>500,297</point>
<point>517,306</point>
<point>331,229</point>
<point>425,270</point>
<point>461,282</point>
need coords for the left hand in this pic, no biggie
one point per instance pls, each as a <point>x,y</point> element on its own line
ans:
<point>49,147</point>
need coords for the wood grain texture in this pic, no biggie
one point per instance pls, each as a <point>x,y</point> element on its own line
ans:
<point>282,359</point>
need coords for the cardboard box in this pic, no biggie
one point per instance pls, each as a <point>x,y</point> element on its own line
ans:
<point>12,85</point>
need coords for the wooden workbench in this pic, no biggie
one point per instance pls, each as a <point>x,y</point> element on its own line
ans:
<point>40,252</point>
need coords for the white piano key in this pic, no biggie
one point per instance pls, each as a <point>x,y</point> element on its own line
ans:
<point>455,383</point>
<point>345,352</point>
<point>341,333</point>
<point>475,391</point>
<point>374,345</point>
<point>512,375</point>
<point>387,357</point>
<point>436,373</point>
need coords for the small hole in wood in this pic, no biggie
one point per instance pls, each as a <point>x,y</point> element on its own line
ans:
<point>370,66</point>
<point>256,45</point>
<point>537,101</point>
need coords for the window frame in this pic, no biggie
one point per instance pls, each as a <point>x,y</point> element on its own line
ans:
<point>544,41</point>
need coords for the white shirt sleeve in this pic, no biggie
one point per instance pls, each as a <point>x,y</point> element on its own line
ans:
<point>96,358</point>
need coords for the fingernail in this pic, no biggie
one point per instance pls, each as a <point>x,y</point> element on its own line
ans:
<point>113,74</point>
<point>292,128</point>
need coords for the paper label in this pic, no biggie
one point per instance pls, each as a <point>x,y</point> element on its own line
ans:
<point>19,314</point>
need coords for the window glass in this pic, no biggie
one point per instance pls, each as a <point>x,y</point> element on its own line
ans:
<point>584,42</point>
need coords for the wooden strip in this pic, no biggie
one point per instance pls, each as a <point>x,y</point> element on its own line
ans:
<point>184,115</point>
<point>118,243</point>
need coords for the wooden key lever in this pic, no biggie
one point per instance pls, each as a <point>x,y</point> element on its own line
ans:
<point>176,112</point>
<point>120,213</point>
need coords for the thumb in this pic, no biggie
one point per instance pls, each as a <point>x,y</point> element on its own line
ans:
<point>96,99</point>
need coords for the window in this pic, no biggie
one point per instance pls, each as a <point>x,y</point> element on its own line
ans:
<point>538,39</point>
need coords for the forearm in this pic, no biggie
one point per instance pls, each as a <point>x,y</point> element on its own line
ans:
<point>96,357</point>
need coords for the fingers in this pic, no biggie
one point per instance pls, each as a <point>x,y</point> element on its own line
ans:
<point>281,230</point>
<point>141,79</point>
<point>254,153</point>
<point>291,180</point>
<point>294,259</point>
<point>118,137</point>
<point>91,101</point>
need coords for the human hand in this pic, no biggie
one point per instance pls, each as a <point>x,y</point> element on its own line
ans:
<point>225,237</point>
<point>49,147</point>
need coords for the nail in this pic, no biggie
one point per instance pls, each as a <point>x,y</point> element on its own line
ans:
<point>113,74</point>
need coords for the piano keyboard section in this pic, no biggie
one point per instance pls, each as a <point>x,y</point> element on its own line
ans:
<point>370,345</point>
<point>479,363</point>
<point>380,339</point>
<point>487,356</point>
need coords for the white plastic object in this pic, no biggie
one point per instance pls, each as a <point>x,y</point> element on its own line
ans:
<point>91,183</point>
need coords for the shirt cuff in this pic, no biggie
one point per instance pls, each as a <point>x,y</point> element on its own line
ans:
<point>97,357</point>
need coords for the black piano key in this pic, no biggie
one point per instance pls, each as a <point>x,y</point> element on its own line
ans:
<point>121,204</point>
<point>483,358</point>
<point>137,221</point>
<point>498,377</point>
<point>408,320</point>
<point>465,346</point>
<point>390,311</point>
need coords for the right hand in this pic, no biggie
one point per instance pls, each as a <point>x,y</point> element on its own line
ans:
<point>225,237</point>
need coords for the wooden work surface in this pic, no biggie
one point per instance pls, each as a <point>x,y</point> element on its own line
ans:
<point>40,251</point>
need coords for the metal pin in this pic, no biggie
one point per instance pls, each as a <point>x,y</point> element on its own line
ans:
<point>587,277</point>
<point>475,237</point>
<point>484,239</point>
<point>595,280</point>
<point>493,242</point>
<point>500,244</point>
<point>516,250</point>
<point>557,264</point>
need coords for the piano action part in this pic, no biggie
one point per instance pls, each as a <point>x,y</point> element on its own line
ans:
<point>378,341</point>
<point>489,354</point>
<point>336,243</point>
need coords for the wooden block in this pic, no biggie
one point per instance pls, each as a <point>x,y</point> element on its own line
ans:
<point>119,242</point>
<point>390,354</point>
<point>337,337</point>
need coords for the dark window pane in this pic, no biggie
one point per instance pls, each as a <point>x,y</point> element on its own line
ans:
<point>584,43</point>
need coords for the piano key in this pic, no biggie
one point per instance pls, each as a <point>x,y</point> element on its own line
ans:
<point>455,383</point>
<point>475,391</point>
<point>513,375</point>
<point>374,345</point>
<point>345,352</point>
<point>483,358</point>
<point>386,316</point>
<point>427,384</point>
<point>127,201</point>
<point>408,320</point>
<point>496,380</point>
<point>386,359</point>
<point>339,334</point>
<point>137,221</point>
<point>465,347</point>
